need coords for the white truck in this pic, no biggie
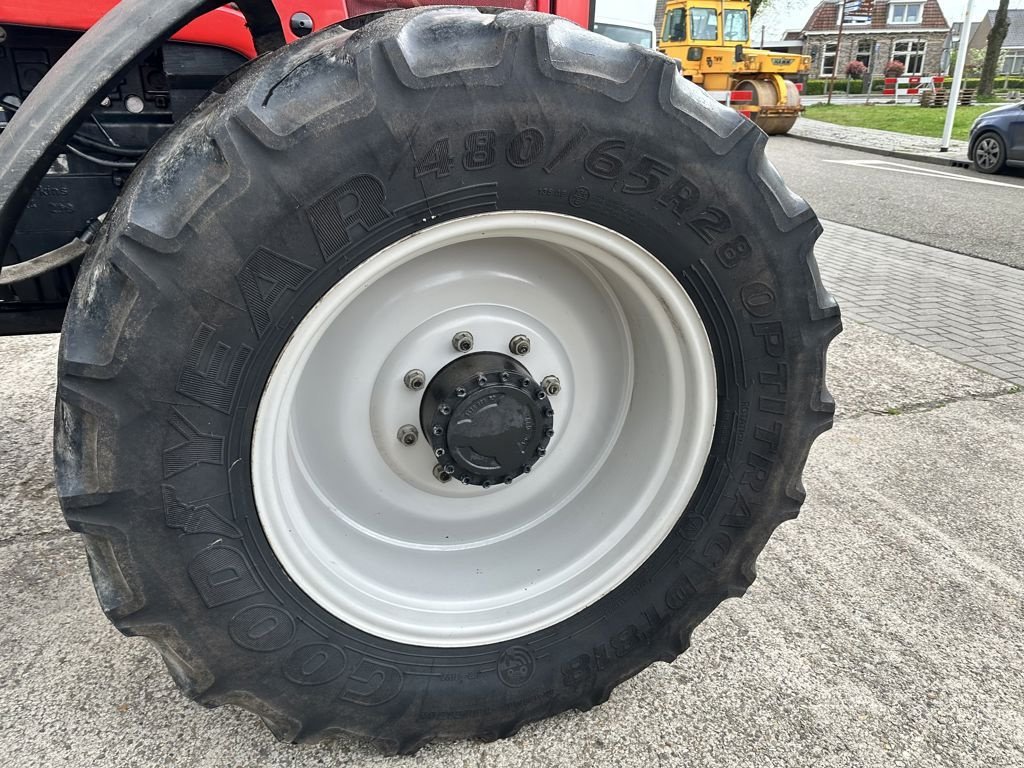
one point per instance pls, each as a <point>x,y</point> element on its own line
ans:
<point>627,21</point>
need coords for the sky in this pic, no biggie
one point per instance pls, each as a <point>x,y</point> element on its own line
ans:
<point>791,14</point>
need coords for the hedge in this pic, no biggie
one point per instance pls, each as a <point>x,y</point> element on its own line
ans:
<point>820,87</point>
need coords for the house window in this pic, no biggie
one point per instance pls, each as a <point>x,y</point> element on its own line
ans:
<point>911,53</point>
<point>863,54</point>
<point>905,13</point>
<point>828,59</point>
<point>1013,63</point>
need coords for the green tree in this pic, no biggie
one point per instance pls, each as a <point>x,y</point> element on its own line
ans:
<point>994,48</point>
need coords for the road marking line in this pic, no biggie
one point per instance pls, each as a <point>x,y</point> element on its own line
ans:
<point>885,165</point>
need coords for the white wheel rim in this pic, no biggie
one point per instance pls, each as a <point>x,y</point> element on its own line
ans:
<point>359,521</point>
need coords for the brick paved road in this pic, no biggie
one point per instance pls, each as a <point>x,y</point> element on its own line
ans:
<point>965,308</point>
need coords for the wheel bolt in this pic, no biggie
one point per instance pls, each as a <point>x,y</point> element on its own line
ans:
<point>549,433</point>
<point>520,345</point>
<point>541,451</point>
<point>437,431</point>
<point>505,376</point>
<point>460,392</point>
<point>463,341</point>
<point>481,380</point>
<point>541,395</point>
<point>415,379</point>
<point>449,469</point>
<point>408,435</point>
<point>444,410</point>
<point>551,385</point>
<point>441,475</point>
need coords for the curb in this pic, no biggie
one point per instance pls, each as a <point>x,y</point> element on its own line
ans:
<point>954,161</point>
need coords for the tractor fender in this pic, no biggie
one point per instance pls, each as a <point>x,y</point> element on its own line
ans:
<point>76,84</point>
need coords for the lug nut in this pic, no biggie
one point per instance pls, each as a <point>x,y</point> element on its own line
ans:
<point>440,475</point>
<point>505,376</point>
<point>463,341</point>
<point>437,431</point>
<point>449,469</point>
<point>439,452</point>
<point>415,379</point>
<point>408,435</point>
<point>520,345</point>
<point>541,452</point>
<point>444,409</point>
<point>551,385</point>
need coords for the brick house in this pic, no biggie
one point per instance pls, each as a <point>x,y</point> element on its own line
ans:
<point>877,31</point>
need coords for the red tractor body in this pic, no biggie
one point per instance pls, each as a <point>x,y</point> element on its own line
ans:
<point>225,27</point>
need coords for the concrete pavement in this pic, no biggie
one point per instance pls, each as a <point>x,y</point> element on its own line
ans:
<point>886,627</point>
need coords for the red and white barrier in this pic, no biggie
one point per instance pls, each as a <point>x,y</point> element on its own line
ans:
<point>732,97</point>
<point>911,85</point>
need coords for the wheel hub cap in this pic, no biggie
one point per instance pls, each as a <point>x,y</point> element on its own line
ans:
<point>488,419</point>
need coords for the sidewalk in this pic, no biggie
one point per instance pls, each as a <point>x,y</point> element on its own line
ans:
<point>889,143</point>
<point>966,309</point>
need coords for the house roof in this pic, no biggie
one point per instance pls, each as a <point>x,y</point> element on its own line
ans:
<point>1015,34</point>
<point>825,17</point>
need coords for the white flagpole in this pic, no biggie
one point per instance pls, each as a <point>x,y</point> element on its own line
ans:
<point>958,75</point>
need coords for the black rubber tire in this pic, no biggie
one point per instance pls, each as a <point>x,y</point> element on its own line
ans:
<point>167,346</point>
<point>1000,163</point>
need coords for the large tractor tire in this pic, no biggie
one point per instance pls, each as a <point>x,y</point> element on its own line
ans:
<point>435,378</point>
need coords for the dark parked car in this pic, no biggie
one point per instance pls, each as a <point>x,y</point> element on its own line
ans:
<point>997,139</point>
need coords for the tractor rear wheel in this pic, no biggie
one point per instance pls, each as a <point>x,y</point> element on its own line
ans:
<point>436,378</point>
